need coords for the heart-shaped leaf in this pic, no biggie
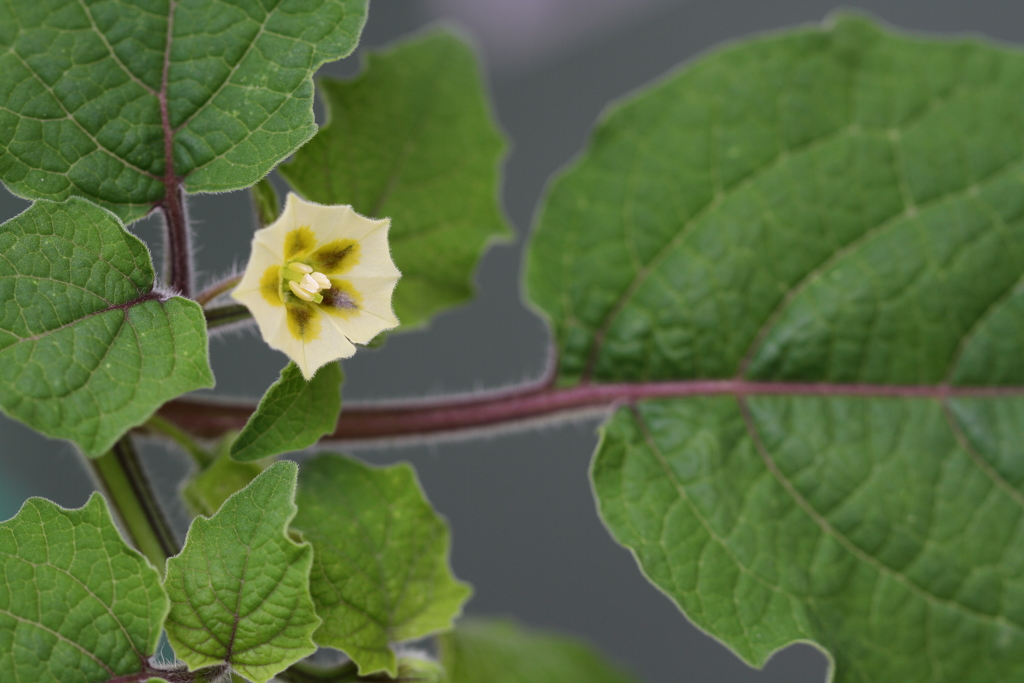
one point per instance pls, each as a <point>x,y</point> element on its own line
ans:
<point>239,589</point>
<point>113,100</point>
<point>88,349</point>
<point>77,605</point>
<point>812,246</point>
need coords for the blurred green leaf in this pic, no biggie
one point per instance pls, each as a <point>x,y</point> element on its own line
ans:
<point>481,651</point>
<point>265,201</point>
<point>413,138</point>
<point>380,573</point>
<point>292,415</point>
<point>77,604</point>
<point>91,93</point>
<point>239,589</point>
<point>88,349</point>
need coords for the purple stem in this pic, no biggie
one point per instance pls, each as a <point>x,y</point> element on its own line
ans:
<point>536,401</point>
<point>178,235</point>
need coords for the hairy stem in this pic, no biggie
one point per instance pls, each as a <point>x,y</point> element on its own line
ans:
<point>122,478</point>
<point>225,315</point>
<point>178,238</point>
<point>537,401</point>
<point>178,674</point>
<point>200,455</point>
<point>216,289</point>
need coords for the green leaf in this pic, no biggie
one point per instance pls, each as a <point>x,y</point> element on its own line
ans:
<point>480,651</point>
<point>93,94</point>
<point>380,573</point>
<point>77,605</point>
<point>292,415</point>
<point>239,589</point>
<point>420,670</point>
<point>413,138</point>
<point>824,228</point>
<point>265,201</point>
<point>206,490</point>
<point>87,348</point>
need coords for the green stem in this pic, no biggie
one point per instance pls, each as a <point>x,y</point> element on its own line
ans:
<point>225,315</point>
<point>201,456</point>
<point>216,289</point>
<point>120,473</point>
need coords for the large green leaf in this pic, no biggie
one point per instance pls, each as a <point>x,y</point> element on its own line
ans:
<point>77,605</point>
<point>380,574</point>
<point>87,348</point>
<point>826,229</point>
<point>481,651</point>
<point>106,98</point>
<point>292,415</point>
<point>239,589</point>
<point>413,139</point>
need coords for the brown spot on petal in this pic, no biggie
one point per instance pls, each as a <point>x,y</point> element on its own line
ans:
<point>270,286</point>
<point>298,241</point>
<point>341,299</point>
<point>303,322</point>
<point>334,258</point>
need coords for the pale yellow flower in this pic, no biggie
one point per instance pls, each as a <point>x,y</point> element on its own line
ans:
<point>319,281</point>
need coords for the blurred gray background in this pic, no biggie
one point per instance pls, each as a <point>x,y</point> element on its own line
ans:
<point>524,527</point>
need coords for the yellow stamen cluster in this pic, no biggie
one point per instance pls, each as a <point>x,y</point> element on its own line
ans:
<point>304,282</point>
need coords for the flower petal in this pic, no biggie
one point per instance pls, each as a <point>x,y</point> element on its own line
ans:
<point>375,255</point>
<point>309,355</point>
<point>373,315</point>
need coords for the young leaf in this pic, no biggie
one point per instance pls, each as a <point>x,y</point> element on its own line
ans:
<point>292,415</point>
<point>826,228</point>
<point>205,491</point>
<point>413,139</point>
<point>77,604</point>
<point>480,651</point>
<point>239,589</point>
<point>111,100</point>
<point>380,573</point>
<point>87,348</point>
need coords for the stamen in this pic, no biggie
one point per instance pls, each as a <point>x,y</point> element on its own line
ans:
<point>321,280</point>
<point>301,267</point>
<point>309,284</point>
<point>300,292</point>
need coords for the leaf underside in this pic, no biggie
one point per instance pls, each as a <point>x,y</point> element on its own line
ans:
<point>413,139</point>
<point>83,86</point>
<point>838,212</point>
<point>87,349</point>
<point>77,605</point>
<point>380,569</point>
<point>239,589</point>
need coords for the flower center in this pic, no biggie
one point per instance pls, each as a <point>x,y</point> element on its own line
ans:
<point>304,282</point>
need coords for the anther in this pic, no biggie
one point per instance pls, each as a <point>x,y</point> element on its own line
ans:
<point>300,292</point>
